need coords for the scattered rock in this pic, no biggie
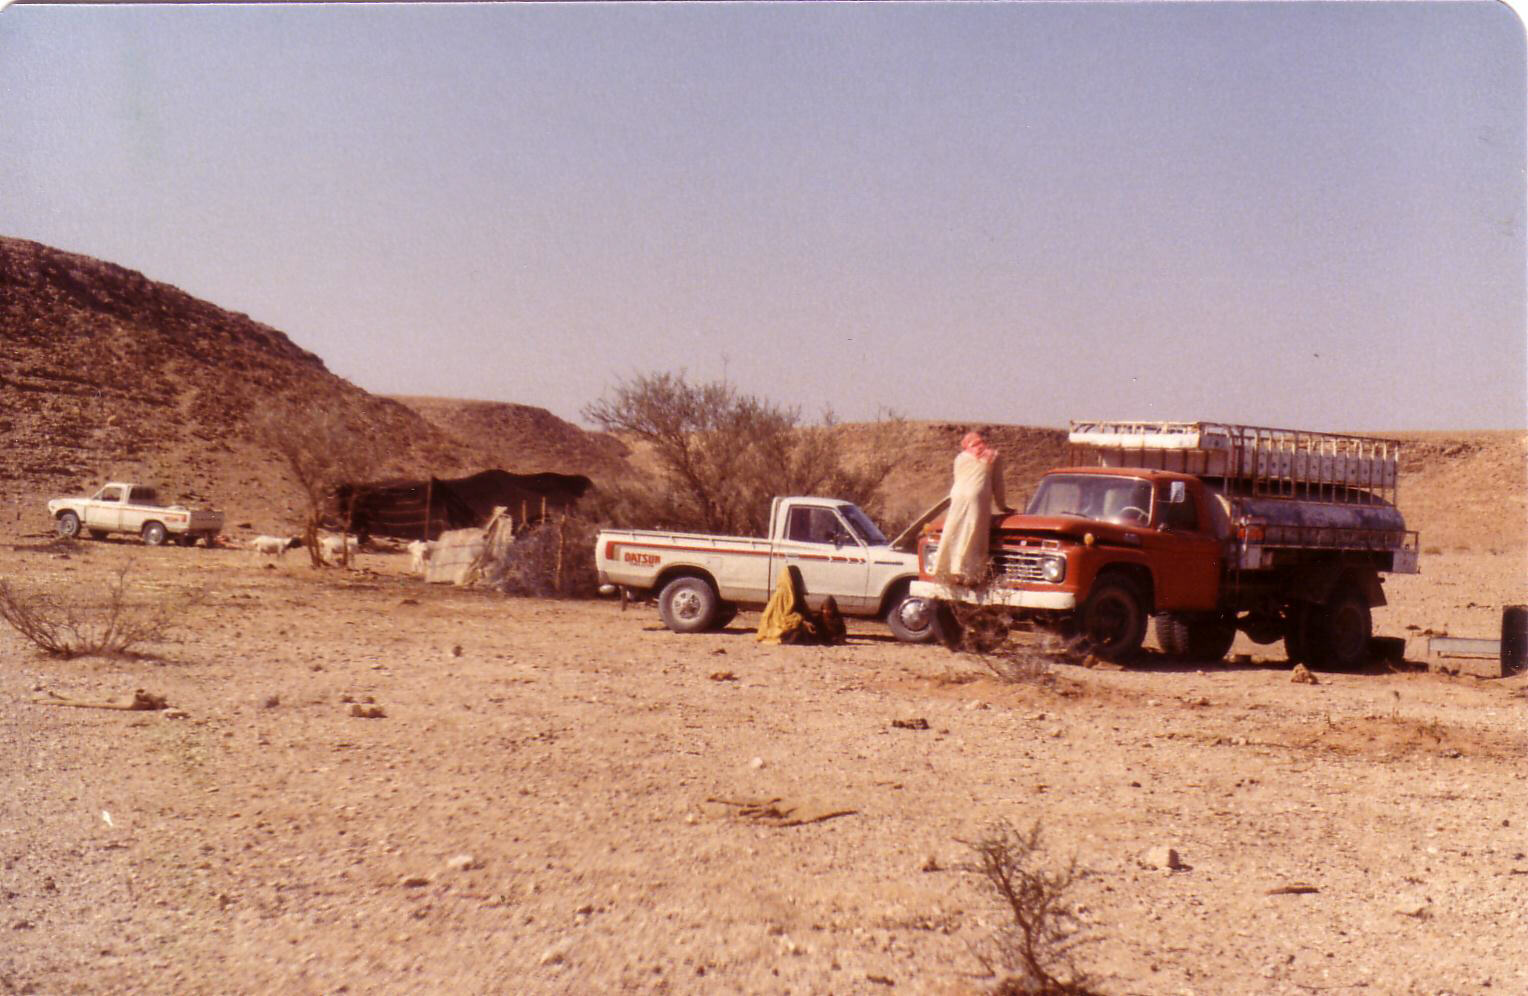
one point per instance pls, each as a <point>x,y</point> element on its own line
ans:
<point>723,676</point>
<point>931,864</point>
<point>367,711</point>
<point>1416,907</point>
<point>1301,676</point>
<point>175,714</point>
<point>414,881</point>
<point>463,862</point>
<point>756,763</point>
<point>917,723</point>
<point>272,701</point>
<point>456,651</point>
<point>1161,857</point>
<point>557,954</point>
<point>976,704</point>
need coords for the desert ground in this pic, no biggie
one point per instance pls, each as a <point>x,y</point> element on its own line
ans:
<point>550,800</point>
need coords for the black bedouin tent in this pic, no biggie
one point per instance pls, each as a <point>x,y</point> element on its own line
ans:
<point>424,509</point>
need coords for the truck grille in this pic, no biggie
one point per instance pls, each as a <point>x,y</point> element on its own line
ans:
<point>1014,565</point>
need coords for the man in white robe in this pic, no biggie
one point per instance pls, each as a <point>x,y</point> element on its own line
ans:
<point>977,489</point>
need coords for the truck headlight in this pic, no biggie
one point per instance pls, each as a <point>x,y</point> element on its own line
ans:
<point>1053,569</point>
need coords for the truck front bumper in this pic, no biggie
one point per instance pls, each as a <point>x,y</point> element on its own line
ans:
<point>1016,598</point>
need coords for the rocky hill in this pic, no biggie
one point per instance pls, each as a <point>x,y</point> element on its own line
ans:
<point>106,374</point>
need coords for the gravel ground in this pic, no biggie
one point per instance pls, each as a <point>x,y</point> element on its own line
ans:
<point>535,809</point>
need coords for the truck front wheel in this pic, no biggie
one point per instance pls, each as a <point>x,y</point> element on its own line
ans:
<point>154,534</point>
<point>688,605</point>
<point>68,525</point>
<point>1112,622</point>
<point>1339,631</point>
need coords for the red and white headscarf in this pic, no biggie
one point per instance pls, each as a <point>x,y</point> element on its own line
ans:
<point>976,445</point>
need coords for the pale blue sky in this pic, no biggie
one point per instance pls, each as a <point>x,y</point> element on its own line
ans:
<point>1308,215</point>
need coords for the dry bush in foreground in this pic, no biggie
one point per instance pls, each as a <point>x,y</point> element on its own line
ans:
<point>1032,952</point>
<point>984,633</point>
<point>69,629</point>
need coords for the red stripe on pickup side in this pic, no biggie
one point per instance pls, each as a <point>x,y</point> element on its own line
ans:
<point>613,545</point>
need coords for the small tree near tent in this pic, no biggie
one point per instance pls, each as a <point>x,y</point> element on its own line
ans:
<point>320,450</point>
<point>722,455</point>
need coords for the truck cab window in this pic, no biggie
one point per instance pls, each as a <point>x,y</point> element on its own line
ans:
<point>111,494</point>
<point>1182,516</point>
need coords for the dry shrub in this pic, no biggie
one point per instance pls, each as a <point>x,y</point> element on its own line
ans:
<point>550,559</point>
<point>722,455</point>
<point>985,634</point>
<point>1032,952</point>
<point>70,629</point>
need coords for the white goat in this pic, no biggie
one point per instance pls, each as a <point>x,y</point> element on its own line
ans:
<point>274,546</point>
<point>330,546</point>
<point>419,556</point>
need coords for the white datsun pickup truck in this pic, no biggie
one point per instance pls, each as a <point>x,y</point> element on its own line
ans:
<point>133,508</point>
<point>701,581</point>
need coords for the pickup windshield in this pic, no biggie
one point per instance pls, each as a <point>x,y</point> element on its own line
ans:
<point>860,523</point>
<point>1093,496</point>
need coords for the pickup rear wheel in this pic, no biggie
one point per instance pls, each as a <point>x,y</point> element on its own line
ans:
<point>1112,622</point>
<point>688,605</point>
<point>68,525</point>
<point>154,533</point>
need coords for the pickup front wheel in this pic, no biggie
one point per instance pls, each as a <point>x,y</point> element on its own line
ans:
<point>910,619</point>
<point>154,534</point>
<point>68,525</point>
<point>688,605</point>
<point>1112,622</point>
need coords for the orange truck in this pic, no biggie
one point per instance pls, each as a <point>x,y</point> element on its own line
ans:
<point>1209,528</point>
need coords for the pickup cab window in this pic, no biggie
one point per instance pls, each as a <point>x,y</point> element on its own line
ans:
<point>109,494</point>
<point>814,524</point>
<point>1125,500</point>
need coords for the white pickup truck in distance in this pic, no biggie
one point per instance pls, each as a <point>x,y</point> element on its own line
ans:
<point>701,580</point>
<point>120,507</point>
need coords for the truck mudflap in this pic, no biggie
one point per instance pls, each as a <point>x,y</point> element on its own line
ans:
<point>1016,598</point>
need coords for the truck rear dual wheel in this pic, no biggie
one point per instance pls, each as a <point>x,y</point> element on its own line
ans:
<point>1337,632</point>
<point>1112,621</point>
<point>689,605</point>
<point>1196,637</point>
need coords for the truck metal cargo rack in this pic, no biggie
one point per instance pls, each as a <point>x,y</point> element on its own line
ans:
<point>1250,459</point>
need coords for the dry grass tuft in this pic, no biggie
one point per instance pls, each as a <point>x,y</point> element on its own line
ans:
<point>1033,951</point>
